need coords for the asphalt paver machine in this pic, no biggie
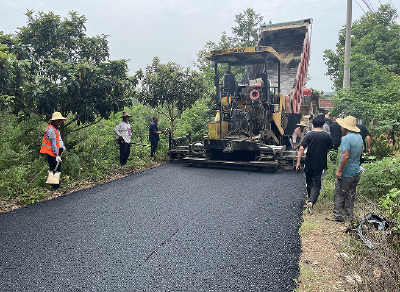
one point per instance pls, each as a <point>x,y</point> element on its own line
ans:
<point>255,117</point>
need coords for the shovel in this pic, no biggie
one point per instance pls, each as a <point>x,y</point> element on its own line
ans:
<point>53,176</point>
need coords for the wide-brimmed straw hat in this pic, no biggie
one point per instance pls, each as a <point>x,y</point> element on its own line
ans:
<point>302,123</point>
<point>348,123</point>
<point>125,114</point>
<point>57,116</point>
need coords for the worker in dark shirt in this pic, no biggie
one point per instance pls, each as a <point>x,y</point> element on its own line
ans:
<point>318,143</point>
<point>365,136</point>
<point>229,83</point>
<point>154,135</point>
<point>336,134</point>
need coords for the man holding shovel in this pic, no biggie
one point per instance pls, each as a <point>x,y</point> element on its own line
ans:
<point>52,144</point>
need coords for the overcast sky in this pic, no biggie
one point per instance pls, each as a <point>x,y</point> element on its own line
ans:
<point>176,30</point>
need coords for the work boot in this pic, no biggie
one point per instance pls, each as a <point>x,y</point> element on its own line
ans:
<point>310,207</point>
<point>334,218</point>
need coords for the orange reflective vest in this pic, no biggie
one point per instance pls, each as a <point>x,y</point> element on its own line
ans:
<point>46,144</point>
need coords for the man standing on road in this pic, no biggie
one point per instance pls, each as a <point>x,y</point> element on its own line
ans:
<point>349,171</point>
<point>365,135</point>
<point>154,135</point>
<point>336,134</point>
<point>318,143</point>
<point>124,134</point>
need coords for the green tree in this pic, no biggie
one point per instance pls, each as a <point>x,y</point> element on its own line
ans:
<point>373,94</point>
<point>246,31</point>
<point>70,72</point>
<point>315,96</point>
<point>244,34</point>
<point>375,34</point>
<point>170,87</point>
<point>13,75</point>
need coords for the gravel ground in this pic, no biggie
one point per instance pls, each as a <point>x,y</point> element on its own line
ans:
<point>170,228</point>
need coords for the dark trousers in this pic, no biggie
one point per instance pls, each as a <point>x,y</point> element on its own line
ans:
<point>313,182</point>
<point>153,148</point>
<point>334,152</point>
<point>344,196</point>
<point>124,151</point>
<point>52,165</point>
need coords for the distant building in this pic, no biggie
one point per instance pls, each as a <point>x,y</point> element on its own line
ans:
<point>326,102</point>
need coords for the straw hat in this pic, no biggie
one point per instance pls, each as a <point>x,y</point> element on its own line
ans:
<point>57,116</point>
<point>348,123</point>
<point>302,123</point>
<point>125,114</point>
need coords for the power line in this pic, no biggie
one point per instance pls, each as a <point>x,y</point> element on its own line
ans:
<point>360,6</point>
<point>366,2</point>
<point>370,5</point>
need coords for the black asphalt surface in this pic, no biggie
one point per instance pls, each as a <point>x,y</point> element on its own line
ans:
<point>170,228</point>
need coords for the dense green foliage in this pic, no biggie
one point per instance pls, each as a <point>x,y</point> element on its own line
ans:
<point>68,71</point>
<point>391,203</point>
<point>195,120</point>
<point>13,75</point>
<point>380,177</point>
<point>376,35</point>
<point>380,181</point>
<point>92,153</point>
<point>171,88</point>
<point>244,34</point>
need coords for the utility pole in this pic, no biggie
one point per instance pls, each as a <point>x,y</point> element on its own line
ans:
<point>347,48</point>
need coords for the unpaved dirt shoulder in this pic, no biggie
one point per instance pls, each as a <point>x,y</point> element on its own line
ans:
<point>325,249</point>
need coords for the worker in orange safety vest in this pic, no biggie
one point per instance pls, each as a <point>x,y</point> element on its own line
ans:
<point>52,143</point>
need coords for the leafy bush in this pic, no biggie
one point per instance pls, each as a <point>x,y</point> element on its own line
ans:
<point>383,146</point>
<point>18,180</point>
<point>391,203</point>
<point>20,140</point>
<point>71,165</point>
<point>195,120</point>
<point>380,177</point>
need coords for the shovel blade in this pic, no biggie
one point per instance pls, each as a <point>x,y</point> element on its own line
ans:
<point>53,178</point>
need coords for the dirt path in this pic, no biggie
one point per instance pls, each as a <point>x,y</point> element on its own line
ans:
<point>324,251</point>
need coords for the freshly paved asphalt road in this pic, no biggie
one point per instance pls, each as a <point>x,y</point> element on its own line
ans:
<point>170,228</point>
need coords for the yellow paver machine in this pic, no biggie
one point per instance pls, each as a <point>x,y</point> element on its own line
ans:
<point>255,117</point>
